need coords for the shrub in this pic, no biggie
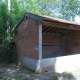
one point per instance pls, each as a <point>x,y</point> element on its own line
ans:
<point>7,52</point>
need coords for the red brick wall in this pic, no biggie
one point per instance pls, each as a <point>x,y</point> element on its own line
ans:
<point>65,45</point>
<point>55,49</point>
<point>73,41</point>
<point>26,38</point>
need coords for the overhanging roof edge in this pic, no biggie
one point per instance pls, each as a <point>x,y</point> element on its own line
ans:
<point>45,18</point>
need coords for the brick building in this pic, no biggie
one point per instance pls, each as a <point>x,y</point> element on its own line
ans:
<point>44,43</point>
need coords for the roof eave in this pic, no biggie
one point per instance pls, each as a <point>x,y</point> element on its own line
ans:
<point>43,18</point>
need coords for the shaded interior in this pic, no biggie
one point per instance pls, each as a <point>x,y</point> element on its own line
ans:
<point>59,41</point>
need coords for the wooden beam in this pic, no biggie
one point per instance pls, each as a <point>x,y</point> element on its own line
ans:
<point>40,41</point>
<point>56,31</point>
<point>62,31</point>
<point>46,29</point>
<point>50,30</point>
<point>53,30</point>
<point>61,25</point>
<point>43,27</point>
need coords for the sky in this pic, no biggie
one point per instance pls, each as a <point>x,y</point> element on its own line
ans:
<point>77,19</point>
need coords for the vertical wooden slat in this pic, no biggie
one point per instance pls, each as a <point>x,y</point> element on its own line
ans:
<point>40,41</point>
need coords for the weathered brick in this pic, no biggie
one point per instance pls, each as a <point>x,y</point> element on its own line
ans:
<point>71,46</point>
<point>26,38</point>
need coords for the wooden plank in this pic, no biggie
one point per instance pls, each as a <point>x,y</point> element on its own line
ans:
<point>49,30</point>
<point>62,31</point>
<point>46,29</point>
<point>40,41</point>
<point>33,16</point>
<point>53,30</point>
<point>60,25</point>
<point>56,31</point>
<point>43,27</point>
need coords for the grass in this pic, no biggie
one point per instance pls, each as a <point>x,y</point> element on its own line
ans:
<point>23,72</point>
<point>10,78</point>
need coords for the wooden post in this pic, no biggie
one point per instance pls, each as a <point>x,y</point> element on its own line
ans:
<point>65,45</point>
<point>40,41</point>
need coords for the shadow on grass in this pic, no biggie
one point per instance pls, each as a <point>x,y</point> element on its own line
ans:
<point>27,70</point>
<point>64,76</point>
<point>25,73</point>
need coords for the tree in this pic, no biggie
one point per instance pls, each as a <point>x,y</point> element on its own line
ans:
<point>44,7</point>
<point>69,8</point>
<point>4,21</point>
<point>6,33</point>
<point>47,7</point>
<point>16,12</point>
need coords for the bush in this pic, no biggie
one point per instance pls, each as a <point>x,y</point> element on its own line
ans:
<point>7,52</point>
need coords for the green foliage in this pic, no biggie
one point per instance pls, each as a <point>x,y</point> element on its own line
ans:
<point>8,21</point>
<point>31,6</point>
<point>6,48</point>
<point>10,78</point>
<point>69,8</point>
<point>16,12</point>
<point>55,78</point>
<point>4,17</point>
<point>47,7</point>
<point>7,52</point>
<point>66,9</point>
<point>44,7</point>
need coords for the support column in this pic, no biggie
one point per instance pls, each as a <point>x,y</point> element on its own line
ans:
<point>40,41</point>
<point>65,45</point>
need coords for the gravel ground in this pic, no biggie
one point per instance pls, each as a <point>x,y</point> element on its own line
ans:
<point>13,72</point>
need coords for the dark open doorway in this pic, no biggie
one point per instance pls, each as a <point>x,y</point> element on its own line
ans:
<point>59,42</point>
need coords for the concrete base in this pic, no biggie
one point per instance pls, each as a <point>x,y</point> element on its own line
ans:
<point>58,64</point>
<point>29,62</point>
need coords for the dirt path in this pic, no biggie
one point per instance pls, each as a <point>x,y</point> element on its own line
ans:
<point>13,72</point>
